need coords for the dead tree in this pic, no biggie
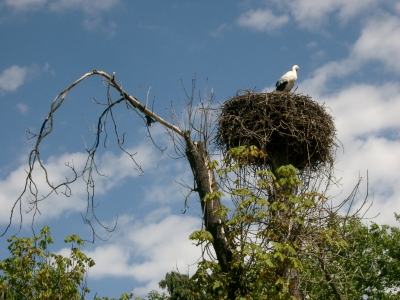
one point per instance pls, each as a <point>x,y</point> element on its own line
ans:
<point>195,151</point>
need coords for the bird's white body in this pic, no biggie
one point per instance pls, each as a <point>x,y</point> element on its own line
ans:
<point>286,82</point>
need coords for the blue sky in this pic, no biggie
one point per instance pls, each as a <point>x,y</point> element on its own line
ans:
<point>349,58</point>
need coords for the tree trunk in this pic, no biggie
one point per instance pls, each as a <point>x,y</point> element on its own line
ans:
<point>329,279</point>
<point>292,277</point>
<point>206,184</point>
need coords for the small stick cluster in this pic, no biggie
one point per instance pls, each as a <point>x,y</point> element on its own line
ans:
<point>290,128</point>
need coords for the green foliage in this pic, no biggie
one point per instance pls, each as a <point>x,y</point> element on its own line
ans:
<point>369,265</point>
<point>124,296</point>
<point>212,165</point>
<point>240,156</point>
<point>258,232</point>
<point>154,295</point>
<point>32,272</point>
<point>201,236</point>
<point>179,287</point>
<point>279,227</point>
<point>213,196</point>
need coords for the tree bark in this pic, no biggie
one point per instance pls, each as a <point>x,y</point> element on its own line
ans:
<point>292,277</point>
<point>197,155</point>
<point>329,279</point>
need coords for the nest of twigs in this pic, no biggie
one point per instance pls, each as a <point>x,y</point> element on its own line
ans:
<point>289,128</point>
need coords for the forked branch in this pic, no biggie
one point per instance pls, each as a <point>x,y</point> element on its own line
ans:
<point>30,186</point>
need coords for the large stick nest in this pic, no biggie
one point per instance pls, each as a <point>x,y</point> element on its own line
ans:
<point>289,128</point>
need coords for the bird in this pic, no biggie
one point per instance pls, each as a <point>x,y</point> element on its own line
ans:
<point>286,82</point>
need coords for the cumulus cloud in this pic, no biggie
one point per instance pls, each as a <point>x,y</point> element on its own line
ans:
<point>318,81</point>
<point>367,123</point>
<point>364,109</point>
<point>15,76</point>
<point>114,169</point>
<point>375,43</point>
<point>12,187</point>
<point>376,160</point>
<point>262,20</point>
<point>378,42</point>
<point>12,78</point>
<point>309,14</point>
<point>146,250</point>
<point>366,116</point>
<point>164,188</point>
<point>313,13</point>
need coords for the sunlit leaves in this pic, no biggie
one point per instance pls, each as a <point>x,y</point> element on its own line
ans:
<point>201,236</point>
<point>256,230</point>
<point>239,156</point>
<point>279,226</point>
<point>367,261</point>
<point>212,165</point>
<point>33,272</point>
<point>213,196</point>
<point>222,211</point>
<point>74,239</point>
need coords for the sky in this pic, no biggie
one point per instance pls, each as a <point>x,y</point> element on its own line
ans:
<point>348,53</point>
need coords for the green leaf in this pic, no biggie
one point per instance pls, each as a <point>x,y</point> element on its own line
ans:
<point>201,236</point>
<point>213,196</point>
<point>277,246</point>
<point>212,164</point>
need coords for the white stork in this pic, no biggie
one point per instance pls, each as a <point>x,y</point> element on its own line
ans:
<point>286,82</point>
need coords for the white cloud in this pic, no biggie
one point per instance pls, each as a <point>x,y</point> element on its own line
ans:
<point>25,4</point>
<point>12,186</point>
<point>262,20</point>
<point>23,108</point>
<point>313,13</point>
<point>15,76</point>
<point>165,188</point>
<point>221,28</point>
<point>364,110</point>
<point>88,6</point>
<point>319,80</point>
<point>310,14</point>
<point>379,157</point>
<point>93,10</point>
<point>115,168</point>
<point>376,43</point>
<point>365,116</point>
<point>97,23</point>
<point>118,167</point>
<point>312,45</point>
<point>12,78</point>
<point>397,7</point>
<point>379,41</point>
<point>318,55</point>
<point>146,251</point>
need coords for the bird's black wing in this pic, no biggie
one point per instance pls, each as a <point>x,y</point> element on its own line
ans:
<point>280,85</point>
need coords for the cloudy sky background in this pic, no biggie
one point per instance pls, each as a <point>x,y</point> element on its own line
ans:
<point>349,58</point>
